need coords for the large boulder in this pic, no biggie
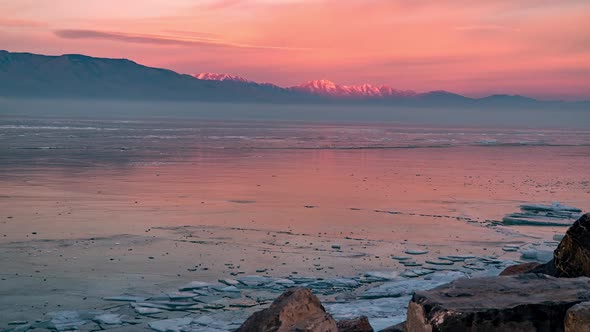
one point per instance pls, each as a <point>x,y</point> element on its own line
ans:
<point>400,327</point>
<point>357,324</point>
<point>297,309</point>
<point>528,302</point>
<point>520,269</point>
<point>577,318</point>
<point>571,259</point>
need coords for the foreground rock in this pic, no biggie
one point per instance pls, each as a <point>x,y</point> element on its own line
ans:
<point>520,269</point>
<point>401,327</point>
<point>358,324</point>
<point>529,302</point>
<point>295,310</point>
<point>571,259</point>
<point>577,318</point>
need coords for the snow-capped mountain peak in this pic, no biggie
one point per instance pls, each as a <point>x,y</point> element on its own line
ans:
<point>324,87</point>
<point>319,86</point>
<point>220,77</point>
<point>329,88</point>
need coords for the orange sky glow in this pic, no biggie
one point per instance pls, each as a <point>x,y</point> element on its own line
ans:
<point>537,48</point>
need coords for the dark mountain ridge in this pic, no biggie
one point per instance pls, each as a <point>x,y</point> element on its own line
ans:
<point>27,75</point>
<point>80,76</point>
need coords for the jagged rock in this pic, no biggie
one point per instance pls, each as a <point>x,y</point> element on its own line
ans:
<point>572,257</point>
<point>528,302</point>
<point>577,318</point>
<point>297,309</point>
<point>519,269</point>
<point>401,327</point>
<point>357,324</point>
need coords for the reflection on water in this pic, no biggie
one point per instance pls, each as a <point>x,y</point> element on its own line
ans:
<point>241,171</point>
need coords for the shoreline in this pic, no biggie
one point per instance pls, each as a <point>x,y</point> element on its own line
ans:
<point>77,274</point>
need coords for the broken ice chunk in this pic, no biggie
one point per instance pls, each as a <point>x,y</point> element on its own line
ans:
<point>147,311</point>
<point>171,325</point>
<point>543,215</point>
<point>554,207</point>
<point>441,262</point>
<point>108,319</point>
<point>125,298</point>
<point>195,285</point>
<point>416,252</point>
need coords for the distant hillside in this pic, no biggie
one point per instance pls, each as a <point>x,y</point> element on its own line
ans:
<point>79,76</point>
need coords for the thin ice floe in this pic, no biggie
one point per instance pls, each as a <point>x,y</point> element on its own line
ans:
<point>416,252</point>
<point>555,214</point>
<point>205,306</point>
<point>382,296</point>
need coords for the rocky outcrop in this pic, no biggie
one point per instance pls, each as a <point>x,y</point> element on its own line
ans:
<point>520,269</point>
<point>357,324</point>
<point>297,309</point>
<point>401,327</point>
<point>577,318</point>
<point>571,259</point>
<point>528,302</point>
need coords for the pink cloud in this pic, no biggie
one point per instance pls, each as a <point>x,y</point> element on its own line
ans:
<point>194,40</point>
<point>21,23</point>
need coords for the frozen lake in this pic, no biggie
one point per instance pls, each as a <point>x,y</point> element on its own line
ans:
<point>96,205</point>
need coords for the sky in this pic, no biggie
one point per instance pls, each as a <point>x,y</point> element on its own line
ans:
<point>537,48</point>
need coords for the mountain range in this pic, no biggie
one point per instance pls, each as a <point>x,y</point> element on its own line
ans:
<point>325,88</point>
<point>27,75</point>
